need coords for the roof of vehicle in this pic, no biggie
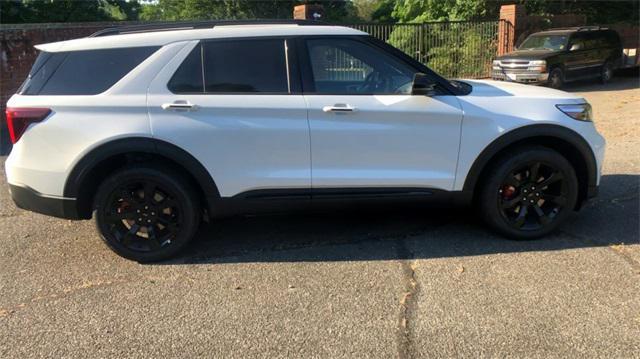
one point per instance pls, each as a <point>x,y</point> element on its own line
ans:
<point>161,37</point>
<point>570,30</point>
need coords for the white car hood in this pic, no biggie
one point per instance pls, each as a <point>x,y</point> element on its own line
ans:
<point>488,88</point>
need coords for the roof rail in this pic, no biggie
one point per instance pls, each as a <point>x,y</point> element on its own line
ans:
<point>590,28</point>
<point>579,28</point>
<point>189,25</point>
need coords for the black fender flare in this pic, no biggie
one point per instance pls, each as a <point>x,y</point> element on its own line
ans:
<point>84,167</point>
<point>521,135</point>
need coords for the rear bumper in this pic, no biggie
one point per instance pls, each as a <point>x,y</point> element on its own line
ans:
<point>31,200</point>
<point>525,77</point>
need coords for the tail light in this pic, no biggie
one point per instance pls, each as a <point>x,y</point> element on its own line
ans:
<point>18,119</point>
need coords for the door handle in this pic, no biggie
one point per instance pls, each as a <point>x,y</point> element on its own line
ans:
<point>179,106</point>
<point>339,107</point>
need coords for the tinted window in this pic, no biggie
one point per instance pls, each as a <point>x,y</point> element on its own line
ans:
<point>82,72</point>
<point>188,77</point>
<point>592,41</point>
<point>602,41</point>
<point>343,66</point>
<point>548,42</point>
<point>578,39</point>
<point>42,69</point>
<point>245,66</point>
<point>612,39</point>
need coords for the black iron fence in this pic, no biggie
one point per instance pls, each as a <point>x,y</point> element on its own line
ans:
<point>454,49</point>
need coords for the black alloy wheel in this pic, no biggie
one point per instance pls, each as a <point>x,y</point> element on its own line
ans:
<point>532,196</point>
<point>528,192</point>
<point>146,214</point>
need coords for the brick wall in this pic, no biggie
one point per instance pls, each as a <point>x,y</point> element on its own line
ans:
<point>17,55</point>
<point>510,26</point>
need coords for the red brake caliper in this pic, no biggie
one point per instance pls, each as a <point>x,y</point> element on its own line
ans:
<point>507,191</point>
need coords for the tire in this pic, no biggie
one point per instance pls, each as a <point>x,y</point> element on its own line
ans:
<point>518,207</point>
<point>606,72</point>
<point>556,78</point>
<point>150,201</point>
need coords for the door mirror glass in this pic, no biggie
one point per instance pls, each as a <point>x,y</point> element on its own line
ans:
<point>422,85</point>
<point>575,47</point>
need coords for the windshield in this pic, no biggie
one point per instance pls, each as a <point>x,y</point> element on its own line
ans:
<point>545,42</point>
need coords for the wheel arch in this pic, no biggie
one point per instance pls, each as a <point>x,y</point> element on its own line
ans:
<point>88,172</point>
<point>561,139</point>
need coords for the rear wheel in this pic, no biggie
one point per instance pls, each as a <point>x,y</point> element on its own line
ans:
<point>146,213</point>
<point>528,194</point>
<point>556,78</point>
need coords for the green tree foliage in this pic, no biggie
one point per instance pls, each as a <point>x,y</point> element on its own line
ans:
<point>172,10</point>
<point>438,10</point>
<point>453,49</point>
<point>372,10</point>
<point>37,11</point>
<point>597,12</point>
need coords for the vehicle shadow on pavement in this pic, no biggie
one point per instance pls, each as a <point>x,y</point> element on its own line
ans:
<point>409,233</point>
<point>624,79</point>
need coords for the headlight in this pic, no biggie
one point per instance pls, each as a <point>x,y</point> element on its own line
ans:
<point>538,65</point>
<point>580,112</point>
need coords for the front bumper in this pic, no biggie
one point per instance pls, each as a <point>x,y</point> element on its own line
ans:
<point>31,200</point>
<point>527,77</point>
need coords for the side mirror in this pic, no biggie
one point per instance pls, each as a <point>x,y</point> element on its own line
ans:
<point>575,47</point>
<point>422,85</point>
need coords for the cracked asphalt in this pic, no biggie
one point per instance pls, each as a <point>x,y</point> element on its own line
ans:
<point>428,283</point>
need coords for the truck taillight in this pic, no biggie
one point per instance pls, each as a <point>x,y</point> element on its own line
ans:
<point>18,119</point>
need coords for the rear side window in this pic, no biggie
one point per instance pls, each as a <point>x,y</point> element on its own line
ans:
<point>245,66</point>
<point>87,72</point>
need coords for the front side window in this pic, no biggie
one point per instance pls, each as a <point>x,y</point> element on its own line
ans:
<point>87,72</point>
<point>599,40</point>
<point>345,66</point>
<point>578,40</point>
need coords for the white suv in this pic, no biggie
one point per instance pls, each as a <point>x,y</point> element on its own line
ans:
<point>151,129</point>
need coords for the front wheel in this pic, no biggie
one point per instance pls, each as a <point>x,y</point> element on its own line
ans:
<point>146,213</point>
<point>528,193</point>
<point>556,78</point>
<point>606,73</point>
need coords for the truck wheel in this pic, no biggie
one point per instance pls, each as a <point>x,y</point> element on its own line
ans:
<point>146,213</point>
<point>528,193</point>
<point>556,78</point>
<point>606,73</point>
